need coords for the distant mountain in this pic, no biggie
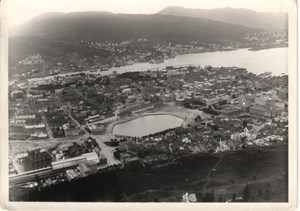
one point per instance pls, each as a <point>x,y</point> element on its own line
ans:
<point>249,18</point>
<point>104,26</point>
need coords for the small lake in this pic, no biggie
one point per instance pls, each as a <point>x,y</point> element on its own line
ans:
<point>146,125</point>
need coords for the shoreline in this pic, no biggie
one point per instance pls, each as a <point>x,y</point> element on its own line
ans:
<point>265,48</point>
<point>92,72</point>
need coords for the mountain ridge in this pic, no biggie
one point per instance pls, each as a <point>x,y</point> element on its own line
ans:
<point>240,16</point>
<point>105,26</point>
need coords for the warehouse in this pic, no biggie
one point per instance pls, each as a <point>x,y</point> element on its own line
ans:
<point>68,162</point>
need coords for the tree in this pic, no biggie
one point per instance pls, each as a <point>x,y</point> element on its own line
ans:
<point>246,194</point>
<point>220,199</point>
<point>245,122</point>
<point>209,197</point>
<point>260,193</point>
<point>233,198</point>
<point>198,119</point>
<point>37,179</point>
<point>117,154</point>
<point>213,195</point>
<point>267,195</point>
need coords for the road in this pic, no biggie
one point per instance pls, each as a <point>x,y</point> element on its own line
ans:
<point>50,135</point>
<point>107,151</point>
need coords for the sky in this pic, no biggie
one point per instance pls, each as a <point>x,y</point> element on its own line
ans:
<point>19,11</point>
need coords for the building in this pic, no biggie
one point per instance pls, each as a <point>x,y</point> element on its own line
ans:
<point>71,131</point>
<point>260,110</point>
<point>137,107</point>
<point>166,97</point>
<point>127,91</point>
<point>179,101</point>
<point>84,170</point>
<point>91,158</point>
<point>189,197</point>
<point>94,118</point>
<point>102,159</point>
<point>35,159</point>
<point>226,123</point>
<point>16,128</point>
<point>130,99</point>
<point>175,75</point>
<point>261,101</point>
<point>96,129</point>
<point>70,162</point>
<point>232,111</point>
<point>38,136</point>
<point>35,128</point>
<point>25,117</point>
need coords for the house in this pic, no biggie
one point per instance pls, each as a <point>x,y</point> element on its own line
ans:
<point>127,91</point>
<point>69,131</point>
<point>179,101</point>
<point>98,129</point>
<point>130,99</point>
<point>189,197</point>
<point>166,97</point>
